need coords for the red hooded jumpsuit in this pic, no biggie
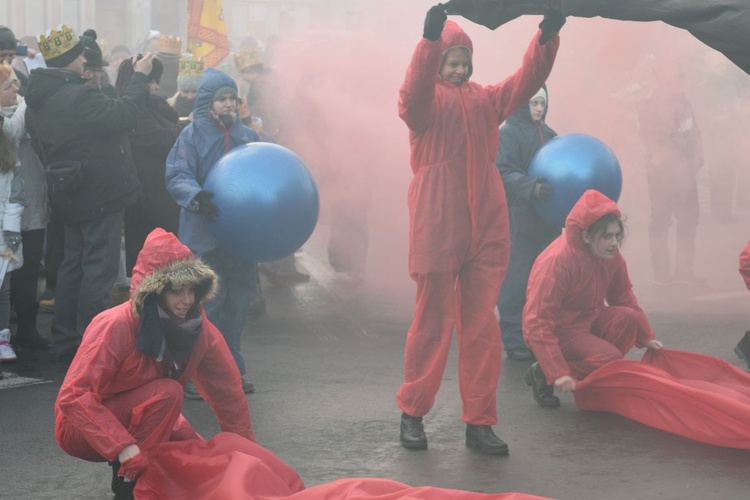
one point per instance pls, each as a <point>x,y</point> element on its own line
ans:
<point>113,396</point>
<point>458,233</point>
<point>745,264</point>
<point>566,322</point>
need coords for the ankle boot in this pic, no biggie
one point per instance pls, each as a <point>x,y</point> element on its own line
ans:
<point>483,439</point>
<point>412,433</point>
<point>543,393</point>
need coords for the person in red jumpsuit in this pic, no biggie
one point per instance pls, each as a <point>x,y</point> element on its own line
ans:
<point>742,349</point>
<point>124,389</point>
<point>580,310</point>
<point>458,230</point>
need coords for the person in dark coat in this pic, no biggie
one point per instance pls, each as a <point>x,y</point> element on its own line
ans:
<point>80,135</point>
<point>150,142</point>
<point>520,138</point>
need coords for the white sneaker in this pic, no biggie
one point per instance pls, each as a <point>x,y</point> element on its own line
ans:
<point>7,354</point>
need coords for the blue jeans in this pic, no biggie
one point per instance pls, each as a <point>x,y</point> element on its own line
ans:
<point>228,310</point>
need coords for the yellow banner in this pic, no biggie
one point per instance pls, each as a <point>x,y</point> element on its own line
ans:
<point>207,33</point>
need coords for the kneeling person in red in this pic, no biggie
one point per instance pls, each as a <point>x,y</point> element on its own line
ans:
<point>123,392</point>
<point>581,312</point>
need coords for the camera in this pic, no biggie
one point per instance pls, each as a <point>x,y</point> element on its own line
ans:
<point>22,50</point>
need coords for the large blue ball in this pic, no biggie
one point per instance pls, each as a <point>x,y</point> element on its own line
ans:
<point>573,164</point>
<point>267,199</point>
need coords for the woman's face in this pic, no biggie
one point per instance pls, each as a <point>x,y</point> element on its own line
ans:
<point>179,302</point>
<point>605,244</point>
<point>8,93</point>
<point>456,66</point>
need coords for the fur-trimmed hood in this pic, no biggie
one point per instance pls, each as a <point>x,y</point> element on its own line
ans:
<point>164,263</point>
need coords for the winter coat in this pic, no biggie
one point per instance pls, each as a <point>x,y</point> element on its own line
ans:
<point>456,197</point>
<point>108,362</point>
<point>35,210</point>
<point>71,121</point>
<point>199,146</point>
<point>568,287</point>
<point>520,139</point>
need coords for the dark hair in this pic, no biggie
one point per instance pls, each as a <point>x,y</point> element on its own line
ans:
<point>7,153</point>
<point>602,223</point>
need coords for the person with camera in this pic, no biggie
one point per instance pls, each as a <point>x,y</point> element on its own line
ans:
<point>81,136</point>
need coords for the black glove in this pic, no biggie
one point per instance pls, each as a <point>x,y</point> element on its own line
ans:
<point>12,240</point>
<point>205,206</point>
<point>551,24</point>
<point>542,191</point>
<point>434,22</point>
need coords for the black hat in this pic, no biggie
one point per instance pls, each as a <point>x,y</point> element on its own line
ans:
<point>92,52</point>
<point>7,39</point>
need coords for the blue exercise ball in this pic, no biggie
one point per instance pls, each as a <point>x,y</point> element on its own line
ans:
<point>267,199</point>
<point>573,164</point>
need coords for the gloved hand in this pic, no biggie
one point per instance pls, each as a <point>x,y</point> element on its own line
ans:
<point>434,22</point>
<point>542,191</point>
<point>205,206</point>
<point>133,467</point>
<point>12,240</point>
<point>551,24</point>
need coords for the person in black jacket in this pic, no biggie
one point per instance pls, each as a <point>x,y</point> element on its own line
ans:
<point>151,141</point>
<point>81,137</point>
<point>520,138</point>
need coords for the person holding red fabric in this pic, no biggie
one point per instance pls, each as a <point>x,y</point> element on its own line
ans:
<point>458,232</point>
<point>581,312</point>
<point>743,346</point>
<point>124,390</point>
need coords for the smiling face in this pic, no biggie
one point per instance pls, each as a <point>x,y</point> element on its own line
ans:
<point>456,66</point>
<point>178,302</point>
<point>604,244</point>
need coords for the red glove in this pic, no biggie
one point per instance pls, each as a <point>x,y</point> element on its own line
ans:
<point>133,468</point>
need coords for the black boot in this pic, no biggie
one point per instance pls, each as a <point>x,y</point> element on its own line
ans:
<point>412,433</point>
<point>742,350</point>
<point>543,393</point>
<point>483,439</point>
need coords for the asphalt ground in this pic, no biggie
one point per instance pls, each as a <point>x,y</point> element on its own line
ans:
<point>326,362</point>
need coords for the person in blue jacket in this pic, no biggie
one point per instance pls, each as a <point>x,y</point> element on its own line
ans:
<point>520,138</point>
<point>216,129</point>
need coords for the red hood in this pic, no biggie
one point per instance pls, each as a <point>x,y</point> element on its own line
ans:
<point>159,249</point>
<point>454,36</point>
<point>591,207</point>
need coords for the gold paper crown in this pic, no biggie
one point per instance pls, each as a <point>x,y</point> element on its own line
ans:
<point>170,44</point>
<point>57,42</point>
<point>247,58</point>
<point>189,66</point>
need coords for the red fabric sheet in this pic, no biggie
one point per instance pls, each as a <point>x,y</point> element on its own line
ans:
<point>230,467</point>
<point>691,395</point>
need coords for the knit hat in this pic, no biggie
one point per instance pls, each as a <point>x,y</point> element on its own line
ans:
<point>60,46</point>
<point>224,91</point>
<point>92,51</point>
<point>7,39</point>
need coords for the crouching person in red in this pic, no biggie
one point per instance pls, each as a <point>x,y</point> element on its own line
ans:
<point>580,310</point>
<point>123,392</point>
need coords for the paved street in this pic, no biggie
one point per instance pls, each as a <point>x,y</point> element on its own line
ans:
<point>326,362</point>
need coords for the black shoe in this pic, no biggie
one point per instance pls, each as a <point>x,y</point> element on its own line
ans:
<point>412,433</point>
<point>742,349</point>
<point>520,354</point>
<point>483,439</point>
<point>247,387</point>
<point>191,392</point>
<point>64,357</point>
<point>543,393</point>
<point>32,341</point>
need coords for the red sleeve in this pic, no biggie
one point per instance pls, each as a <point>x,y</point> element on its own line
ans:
<point>106,343</point>
<point>620,293</point>
<point>219,382</point>
<point>417,94</point>
<point>518,88</point>
<point>745,265</point>
<point>544,297</point>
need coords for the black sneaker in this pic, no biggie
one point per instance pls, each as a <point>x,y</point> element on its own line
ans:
<point>412,433</point>
<point>483,439</point>
<point>191,392</point>
<point>543,393</point>
<point>520,354</point>
<point>247,387</point>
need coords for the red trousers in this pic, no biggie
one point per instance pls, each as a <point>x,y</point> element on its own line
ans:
<point>466,301</point>
<point>612,336</point>
<point>150,413</point>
